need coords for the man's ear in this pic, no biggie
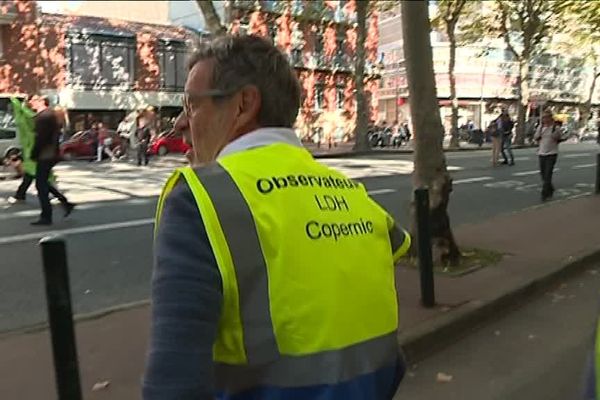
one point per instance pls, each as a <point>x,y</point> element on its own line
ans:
<point>249,106</point>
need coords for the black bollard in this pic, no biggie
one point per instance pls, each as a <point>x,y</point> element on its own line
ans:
<point>60,316</point>
<point>598,173</point>
<point>424,247</point>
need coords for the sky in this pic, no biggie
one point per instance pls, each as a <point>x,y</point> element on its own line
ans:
<point>58,6</point>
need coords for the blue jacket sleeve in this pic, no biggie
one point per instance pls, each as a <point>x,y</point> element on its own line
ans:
<point>186,305</point>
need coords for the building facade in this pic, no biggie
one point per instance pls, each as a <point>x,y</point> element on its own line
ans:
<point>319,38</point>
<point>486,78</point>
<point>96,68</point>
<point>100,62</point>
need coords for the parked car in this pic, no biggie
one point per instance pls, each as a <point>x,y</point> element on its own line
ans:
<point>82,145</point>
<point>168,142</point>
<point>9,144</point>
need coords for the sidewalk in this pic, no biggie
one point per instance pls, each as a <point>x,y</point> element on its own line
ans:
<point>539,243</point>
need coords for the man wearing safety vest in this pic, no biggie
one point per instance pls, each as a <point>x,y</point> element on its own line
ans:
<point>274,275</point>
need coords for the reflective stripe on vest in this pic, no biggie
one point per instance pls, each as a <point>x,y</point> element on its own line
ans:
<point>301,307</point>
<point>326,368</point>
<point>234,217</point>
<point>597,360</point>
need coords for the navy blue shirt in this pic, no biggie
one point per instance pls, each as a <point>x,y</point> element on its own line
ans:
<point>186,304</point>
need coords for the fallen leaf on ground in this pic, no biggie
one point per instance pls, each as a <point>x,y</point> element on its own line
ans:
<point>443,378</point>
<point>100,386</point>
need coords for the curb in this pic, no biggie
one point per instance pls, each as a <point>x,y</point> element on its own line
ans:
<point>437,333</point>
<point>346,154</point>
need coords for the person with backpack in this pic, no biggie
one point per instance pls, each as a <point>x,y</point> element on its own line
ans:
<point>548,137</point>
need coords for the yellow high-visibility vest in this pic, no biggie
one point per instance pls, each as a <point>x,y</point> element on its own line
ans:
<point>306,259</point>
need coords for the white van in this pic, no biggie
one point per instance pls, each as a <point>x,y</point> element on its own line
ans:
<point>9,144</point>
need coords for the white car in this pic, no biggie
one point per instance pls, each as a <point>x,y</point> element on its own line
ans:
<point>9,144</point>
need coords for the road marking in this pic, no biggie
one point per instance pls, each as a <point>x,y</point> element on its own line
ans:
<point>525,173</point>
<point>10,214</point>
<point>584,166</point>
<point>381,191</point>
<point>471,180</point>
<point>522,158</point>
<point>576,155</point>
<point>75,231</point>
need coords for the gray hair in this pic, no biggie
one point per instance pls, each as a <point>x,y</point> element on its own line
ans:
<point>251,60</point>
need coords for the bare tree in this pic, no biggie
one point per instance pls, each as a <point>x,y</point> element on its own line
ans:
<point>449,12</point>
<point>430,162</point>
<point>524,25</point>
<point>213,22</point>
<point>362,117</point>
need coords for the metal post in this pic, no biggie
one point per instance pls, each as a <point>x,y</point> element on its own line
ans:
<point>60,316</point>
<point>424,247</point>
<point>598,173</point>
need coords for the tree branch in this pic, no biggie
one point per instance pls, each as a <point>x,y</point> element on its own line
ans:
<point>213,22</point>
<point>504,29</point>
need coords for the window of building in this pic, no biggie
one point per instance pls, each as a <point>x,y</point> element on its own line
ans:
<point>340,50</point>
<point>97,61</point>
<point>339,95</point>
<point>1,42</point>
<point>319,95</point>
<point>172,58</point>
<point>319,45</point>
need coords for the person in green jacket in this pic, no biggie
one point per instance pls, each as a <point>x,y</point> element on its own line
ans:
<point>24,121</point>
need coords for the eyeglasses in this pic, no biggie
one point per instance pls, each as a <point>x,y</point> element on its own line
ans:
<point>213,93</point>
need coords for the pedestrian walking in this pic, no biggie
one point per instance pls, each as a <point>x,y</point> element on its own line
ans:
<point>505,125</point>
<point>250,300</point>
<point>143,135</point>
<point>23,115</point>
<point>46,152</point>
<point>548,137</point>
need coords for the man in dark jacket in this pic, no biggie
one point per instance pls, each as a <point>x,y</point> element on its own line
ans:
<point>505,127</point>
<point>46,153</point>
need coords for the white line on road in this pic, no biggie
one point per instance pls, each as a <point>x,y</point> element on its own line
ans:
<point>584,166</point>
<point>80,207</point>
<point>471,180</point>
<point>522,158</point>
<point>576,155</point>
<point>525,173</point>
<point>381,191</point>
<point>75,231</point>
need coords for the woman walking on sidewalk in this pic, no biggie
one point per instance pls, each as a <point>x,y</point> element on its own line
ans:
<point>548,138</point>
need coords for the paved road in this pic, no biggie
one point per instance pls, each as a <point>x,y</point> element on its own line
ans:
<point>537,352</point>
<point>110,235</point>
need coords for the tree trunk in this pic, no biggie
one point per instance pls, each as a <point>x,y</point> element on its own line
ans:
<point>454,140</point>
<point>213,22</point>
<point>523,100</point>
<point>362,118</point>
<point>430,163</point>
<point>586,110</point>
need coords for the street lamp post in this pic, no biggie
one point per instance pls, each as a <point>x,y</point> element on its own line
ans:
<point>481,102</point>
